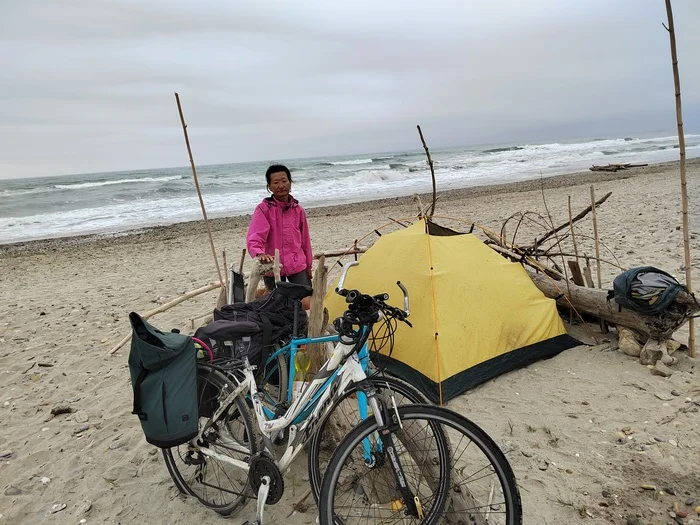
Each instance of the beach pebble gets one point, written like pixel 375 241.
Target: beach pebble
pixel 7 454
pixel 84 507
pixel 670 490
pixel 81 417
pixel 646 486
pixel 673 442
pixel 675 393
pixel 118 444
pixel 45 480
pixel 80 429
pixel 662 370
pixel 689 501
pixel 58 507
pixel 663 397
pixel 627 431
pixel 543 464
pixel 12 491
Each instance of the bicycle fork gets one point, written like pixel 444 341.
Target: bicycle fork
pixel 386 428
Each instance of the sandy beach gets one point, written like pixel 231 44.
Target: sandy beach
pixel 584 431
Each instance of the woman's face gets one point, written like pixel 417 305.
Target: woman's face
pixel 280 185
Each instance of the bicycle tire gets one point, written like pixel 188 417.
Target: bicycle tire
pixel 321 440
pixel 240 429
pixel 275 391
pixel 462 489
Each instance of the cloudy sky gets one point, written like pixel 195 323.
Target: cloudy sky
pixel 87 85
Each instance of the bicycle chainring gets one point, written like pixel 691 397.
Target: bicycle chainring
pixel 263 465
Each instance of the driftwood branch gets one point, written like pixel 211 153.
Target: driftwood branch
pixel 340 253
pixel 566 224
pixel 316 324
pixel 167 306
pixel 595 302
pixel 432 173
pixel 616 167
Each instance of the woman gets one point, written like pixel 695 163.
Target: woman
pixel 279 222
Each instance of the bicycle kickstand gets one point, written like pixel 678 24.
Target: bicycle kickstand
pixel 263 492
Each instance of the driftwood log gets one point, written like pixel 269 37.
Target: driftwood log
pixel 616 167
pixel 594 301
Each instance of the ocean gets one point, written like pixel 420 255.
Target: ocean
pixel 69 205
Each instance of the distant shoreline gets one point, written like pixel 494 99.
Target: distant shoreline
pixel 222 223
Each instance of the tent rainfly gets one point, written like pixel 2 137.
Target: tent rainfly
pixel 475 315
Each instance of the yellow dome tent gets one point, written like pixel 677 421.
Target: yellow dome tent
pixel 475 315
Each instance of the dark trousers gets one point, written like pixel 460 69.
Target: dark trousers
pixel 296 278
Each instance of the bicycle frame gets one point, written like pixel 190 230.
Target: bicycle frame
pixel 292 348
pixel 331 381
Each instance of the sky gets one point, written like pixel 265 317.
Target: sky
pixel 88 86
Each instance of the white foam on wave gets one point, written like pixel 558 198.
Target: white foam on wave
pixel 352 182
pixel 81 185
pixel 352 162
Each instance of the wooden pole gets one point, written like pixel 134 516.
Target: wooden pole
pixel 167 306
pixel 240 266
pixel 603 326
pixel 317 351
pixel 432 174
pixel 571 227
pixel 196 183
pixel 681 147
pixel 595 237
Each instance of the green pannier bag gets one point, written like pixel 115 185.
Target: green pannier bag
pixel 163 367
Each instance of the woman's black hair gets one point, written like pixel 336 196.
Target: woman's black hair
pixel 276 168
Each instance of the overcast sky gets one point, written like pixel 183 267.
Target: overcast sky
pixel 87 85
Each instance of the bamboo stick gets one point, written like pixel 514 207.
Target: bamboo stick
pixel 681 147
pixel 196 183
pixel 167 306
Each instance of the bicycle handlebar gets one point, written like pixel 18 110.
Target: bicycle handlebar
pixel 354 296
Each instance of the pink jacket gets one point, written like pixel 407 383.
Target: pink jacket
pixel 281 225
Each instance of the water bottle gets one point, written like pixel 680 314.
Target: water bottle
pixel 302 362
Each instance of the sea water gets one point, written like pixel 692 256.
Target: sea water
pixel 119 201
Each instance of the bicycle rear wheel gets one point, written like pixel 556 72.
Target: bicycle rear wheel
pixel 344 416
pixel 481 486
pixel 214 482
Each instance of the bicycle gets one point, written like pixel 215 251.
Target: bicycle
pixel 416 463
pixel 229 436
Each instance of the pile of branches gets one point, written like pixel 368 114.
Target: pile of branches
pixel 545 252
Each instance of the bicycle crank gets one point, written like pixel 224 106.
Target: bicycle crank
pixel 261 466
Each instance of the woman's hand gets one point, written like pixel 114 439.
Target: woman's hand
pixel 309 274
pixel 265 258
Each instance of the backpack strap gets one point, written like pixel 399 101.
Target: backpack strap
pixel 137 395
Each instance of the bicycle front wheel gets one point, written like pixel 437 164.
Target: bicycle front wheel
pixel 214 482
pixel 471 471
pixel 344 416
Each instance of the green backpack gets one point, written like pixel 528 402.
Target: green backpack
pixel 163 369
